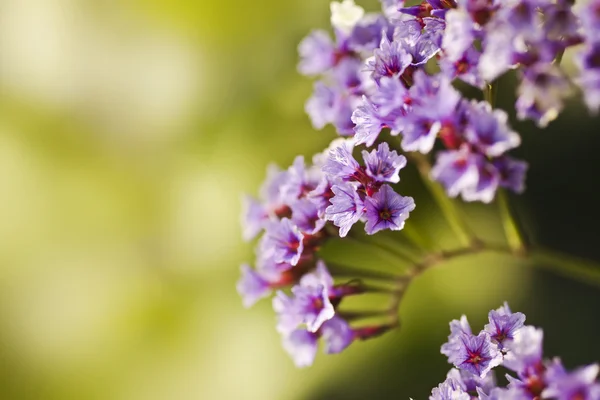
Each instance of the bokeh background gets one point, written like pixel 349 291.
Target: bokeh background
pixel 129 130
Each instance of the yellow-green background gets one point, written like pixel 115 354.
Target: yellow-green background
pixel 129 130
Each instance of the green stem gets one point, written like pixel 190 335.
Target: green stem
pixel 344 270
pixel 579 269
pixel 446 205
pixel 511 229
pixel 397 255
pixel 559 57
pixel 489 93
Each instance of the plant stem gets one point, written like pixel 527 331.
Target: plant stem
pixel 344 270
pixel 489 93
pixel 511 230
pixel 446 205
pixel 388 250
pixel 579 269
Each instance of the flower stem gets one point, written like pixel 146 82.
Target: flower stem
pixel 579 269
pixel 446 205
pixel 511 229
pixel 395 253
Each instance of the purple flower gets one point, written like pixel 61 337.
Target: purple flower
pixel 270 191
pixel 367 122
pixel 305 215
pixel 321 107
pixel 477 354
pixel 386 209
pixel 300 180
pixel 487 183
pixel 579 384
pixel 420 132
pixel 498 52
pixel 391 99
pixel 470 382
pixel 457 329
pixel 346 207
pixel 488 130
pixel 465 68
pixel 525 350
pixel 366 35
pixel 384 165
pixel 252 286
pixel 309 304
pixel 504 324
pixel 590 18
pixel 434 103
pixel 283 241
pixel 390 59
pixel 302 346
pixel 541 93
pixel 340 163
pixel 317 53
pixel 588 62
pixel 450 389
pixel 254 217
pixel 456 170
pixel 337 335
pixel 459 34
pixel 512 173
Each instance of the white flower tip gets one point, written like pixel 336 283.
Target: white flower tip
pixel 345 15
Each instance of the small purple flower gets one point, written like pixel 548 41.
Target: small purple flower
pixel 390 59
pixel 337 335
pixel 541 93
pixel 589 16
pixel 254 217
pixel 470 382
pixel 465 68
pixel 366 35
pixel 283 241
pixel 488 180
pixel 488 130
pixel 588 62
pixel 317 53
pixel 270 190
pixel 455 170
pixel 384 165
pixel 420 132
pixel 525 350
pixel 321 106
pixel 305 215
pixel 302 346
pixel 459 34
pixel 386 209
pixel 498 52
pixel 512 173
pixel 368 123
pixel 346 207
pixel 391 99
pixel 300 180
pixel 309 304
pixel 340 163
pixel 457 329
pixel 580 384
pixel 477 354
pixel 450 389
pixel 252 286
pixel 503 325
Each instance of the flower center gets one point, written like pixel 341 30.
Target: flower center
pixel 385 214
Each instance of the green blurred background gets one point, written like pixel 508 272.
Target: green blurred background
pixel 129 130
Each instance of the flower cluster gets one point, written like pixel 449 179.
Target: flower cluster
pixel 506 341
pixel 297 213
pixel 395 70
